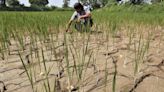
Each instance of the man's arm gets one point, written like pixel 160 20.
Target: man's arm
pixel 88 14
pixel 68 25
pixel 70 21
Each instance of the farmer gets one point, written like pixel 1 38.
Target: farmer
pixel 81 17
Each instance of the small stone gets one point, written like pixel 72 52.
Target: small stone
pixel 41 74
pixel 121 56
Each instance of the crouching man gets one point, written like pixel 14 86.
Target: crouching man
pixel 81 17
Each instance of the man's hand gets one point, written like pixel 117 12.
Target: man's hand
pixel 80 17
pixel 78 20
pixel 67 30
pixel 68 26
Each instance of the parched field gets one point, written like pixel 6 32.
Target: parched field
pixel 123 52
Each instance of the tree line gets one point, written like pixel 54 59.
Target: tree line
pixel 41 4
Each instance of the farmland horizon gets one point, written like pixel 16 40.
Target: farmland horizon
pixel 57 3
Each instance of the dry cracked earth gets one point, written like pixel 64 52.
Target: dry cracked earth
pixel 106 61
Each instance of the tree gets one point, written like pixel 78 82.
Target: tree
pixel 13 3
pixel 66 3
pixel 39 2
pixel 135 1
pixel 105 2
pixel 3 3
pixel 96 3
pixel 83 1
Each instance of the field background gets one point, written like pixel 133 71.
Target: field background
pixel 123 51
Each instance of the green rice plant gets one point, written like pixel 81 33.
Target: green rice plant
pixel 74 61
pixel 137 50
pixel 106 74
pixel 80 62
pixel 131 37
pixel 21 42
pixel 160 41
pixel 140 49
pixel 46 73
pixel 113 31
pixel 146 45
pixel 29 75
pixel 115 74
pixel 67 62
pixel 84 53
pixel 4 42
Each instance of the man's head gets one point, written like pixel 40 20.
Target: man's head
pixel 78 7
